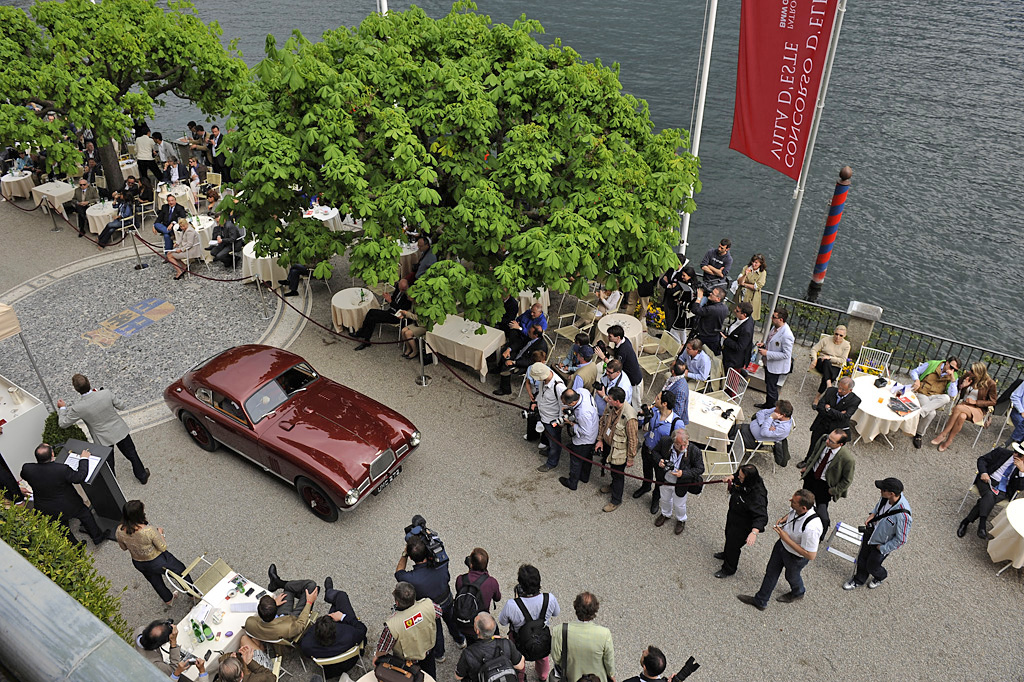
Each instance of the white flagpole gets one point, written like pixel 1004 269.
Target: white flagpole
pixel 684 227
pixel 801 182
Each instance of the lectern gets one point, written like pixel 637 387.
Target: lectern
pixel 102 489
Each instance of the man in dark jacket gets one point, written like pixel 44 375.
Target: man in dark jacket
pixel 747 517
pixel 738 339
pixel 709 314
pixel 335 633
pixel 166 218
pixel 228 238
pixel 396 300
pixel 623 350
pixel 54 493
pixel 1000 477
pixel 835 408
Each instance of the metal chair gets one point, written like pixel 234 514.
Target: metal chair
pixel 813 370
pixel 733 452
pixel 662 359
pixel 871 361
pixel 216 571
pixel 1006 422
pixel 847 533
pixel 986 419
pixel 570 330
pixel 355 652
pixel 734 388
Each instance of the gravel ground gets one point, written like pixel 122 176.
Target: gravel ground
pixel 474 479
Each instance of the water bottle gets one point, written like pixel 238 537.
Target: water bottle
pixel 196 631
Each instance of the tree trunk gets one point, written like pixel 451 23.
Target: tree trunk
pixel 111 167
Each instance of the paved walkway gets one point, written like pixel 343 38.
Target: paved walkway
pixel 941 615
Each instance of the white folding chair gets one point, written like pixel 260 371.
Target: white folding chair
pixel 662 360
pixel 871 361
pixel 734 389
pixel 1006 422
pixel 355 652
pixel 213 574
pixel 715 464
pixel 568 327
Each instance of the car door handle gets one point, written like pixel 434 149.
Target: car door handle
pixel 209 419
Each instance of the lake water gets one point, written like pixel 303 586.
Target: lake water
pixel 924 105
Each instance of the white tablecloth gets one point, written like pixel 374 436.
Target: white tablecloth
pixel 1007 543
pixel 875 418
pixel 55 193
pixel 631 327
pixel 407 261
pixel 328 215
pixel 129 167
pixel 233 622
pixel 457 339
pixel 348 309
pixel 527 299
pixel 99 215
pixel 265 269
pixel 11 186
pixel 706 422
pixel 182 192
pixel 205 231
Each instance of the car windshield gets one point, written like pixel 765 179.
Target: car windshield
pixel 273 393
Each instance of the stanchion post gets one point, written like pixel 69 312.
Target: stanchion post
pixel 52 210
pixel 139 265
pixel 264 313
pixel 423 379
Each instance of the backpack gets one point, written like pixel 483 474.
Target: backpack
pixel 469 601
pixel 533 639
pixel 498 667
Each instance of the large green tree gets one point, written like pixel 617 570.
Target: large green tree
pixel 528 165
pixel 102 66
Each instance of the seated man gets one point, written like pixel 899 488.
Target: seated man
pixel 156 639
pixel 166 218
pixel 229 243
pixel 1000 477
pixel 570 362
pixel 698 363
pixel 85 196
pixel 397 300
pixel 275 617
pixel 935 384
pixel 335 633
pixel 522 324
pixel 131 187
pixel 520 361
pixel 248 663
pixel 125 208
pixel 770 425
pixel 426 256
pixel 175 172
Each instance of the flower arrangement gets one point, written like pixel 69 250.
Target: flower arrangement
pixel 655 317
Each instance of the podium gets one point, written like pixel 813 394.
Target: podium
pixel 102 489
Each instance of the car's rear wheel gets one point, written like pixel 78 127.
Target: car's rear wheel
pixel 316 500
pixel 200 434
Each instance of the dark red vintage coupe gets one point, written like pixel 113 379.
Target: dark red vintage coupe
pixel 335 445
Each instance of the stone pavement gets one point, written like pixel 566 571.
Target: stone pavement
pixel 943 614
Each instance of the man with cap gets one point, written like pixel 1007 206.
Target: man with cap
pixel 548 402
pixel 587 372
pixel 1000 477
pixel 885 530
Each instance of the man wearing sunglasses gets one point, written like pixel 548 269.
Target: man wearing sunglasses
pixel 85 196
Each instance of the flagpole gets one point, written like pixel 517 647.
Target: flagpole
pixel 684 227
pixel 801 182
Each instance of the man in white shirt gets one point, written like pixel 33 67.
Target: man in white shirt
pixel 549 409
pixel 770 425
pixel 144 148
pixel 580 416
pixel 698 363
pixel 799 532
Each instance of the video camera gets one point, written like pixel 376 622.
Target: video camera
pixel 418 528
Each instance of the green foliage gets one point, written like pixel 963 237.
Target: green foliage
pixel 42 541
pixel 103 65
pixel 55 435
pixel 528 166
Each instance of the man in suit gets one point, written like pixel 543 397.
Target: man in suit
pixel 175 172
pixel 396 300
pixel 828 472
pixel 166 218
pixel 738 339
pixel 214 152
pixel 98 409
pixel 275 616
pixel 85 196
pixel 777 356
pixel 835 408
pixel 91 153
pixel 335 633
pixel 54 493
pixel 520 361
pixel 1000 477
pixel 709 314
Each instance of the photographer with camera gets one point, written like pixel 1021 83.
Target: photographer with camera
pixel 199 663
pixel 682 464
pixel 431 581
pixel 580 418
pixel 475 592
pixel 613 377
pixel 885 531
pixel 679 286
pixel 548 402
pixel 747 516
pixel 653 663
pixel 617 431
pixel 154 640
pixel 660 422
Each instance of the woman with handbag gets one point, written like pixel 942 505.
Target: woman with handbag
pixel 977 394
pixel 148 548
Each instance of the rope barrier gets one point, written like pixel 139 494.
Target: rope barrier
pixel 26 210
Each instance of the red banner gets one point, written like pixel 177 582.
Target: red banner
pixel 783 47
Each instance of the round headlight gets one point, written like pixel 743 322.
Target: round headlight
pixel 352 497
pixel 415 439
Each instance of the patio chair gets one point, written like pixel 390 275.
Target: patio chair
pixel 213 574
pixel 733 389
pixel 714 464
pixel 355 652
pixel 660 361
pixel 871 361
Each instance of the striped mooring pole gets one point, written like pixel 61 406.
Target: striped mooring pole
pixel 835 214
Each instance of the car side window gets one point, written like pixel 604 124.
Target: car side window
pixel 230 408
pixel 204 395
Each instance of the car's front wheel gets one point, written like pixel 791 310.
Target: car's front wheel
pixel 200 434
pixel 316 499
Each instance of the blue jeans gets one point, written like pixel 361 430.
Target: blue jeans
pixel 781 558
pixel 1018 426
pixel 168 233
pixel 554 449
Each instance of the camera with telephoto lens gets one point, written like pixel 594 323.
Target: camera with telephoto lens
pixel 418 528
pixel 645 411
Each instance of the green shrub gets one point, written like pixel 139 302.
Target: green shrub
pixel 42 541
pixel 55 435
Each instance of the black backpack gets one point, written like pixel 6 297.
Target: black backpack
pixel 533 639
pixel 469 601
pixel 497 667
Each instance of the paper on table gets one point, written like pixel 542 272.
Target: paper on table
pixel 243 607
pixel 201 611
pixel 73 460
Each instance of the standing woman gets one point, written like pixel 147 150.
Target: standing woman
pixel 147 547
pixel 828 357
pixel 750 282
pixel 977 394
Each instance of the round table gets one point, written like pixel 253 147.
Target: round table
pixel 1007 543
pixel 407 260
pixel 17 186
pixel 328 215
pixel 205 231
pixel 875 418
pixel 129 167
pixel 99 215
pixel 181 192
pixel 631 327
pixel 265 268
pixel 349 307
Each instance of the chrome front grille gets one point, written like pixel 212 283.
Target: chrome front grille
pixel 381 464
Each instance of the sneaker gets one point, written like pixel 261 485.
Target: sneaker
pixel 439 659
pixel 461 645
pixel 872 583
pixel 851 584
pixel 544 468
pixel 542 446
